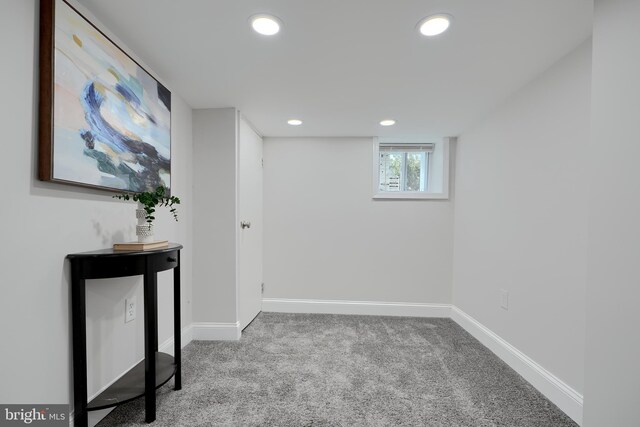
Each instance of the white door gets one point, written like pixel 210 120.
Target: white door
pixel 250 223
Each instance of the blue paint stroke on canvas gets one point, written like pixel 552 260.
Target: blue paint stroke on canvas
pixel 141 153
pixel 112 120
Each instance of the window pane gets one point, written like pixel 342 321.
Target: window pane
pixel 403 170
pixel 390 168
pixel 414 169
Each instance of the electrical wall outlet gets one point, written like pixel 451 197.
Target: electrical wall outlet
pixel 504 299
pixel 262 288
pixel 129 309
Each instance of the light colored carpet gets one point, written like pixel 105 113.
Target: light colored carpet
pixel 334 370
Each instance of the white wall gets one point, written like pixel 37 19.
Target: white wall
pixel 42 222
pixel 215 160
pixel 520 218
pixel 612 389
pixel 326 239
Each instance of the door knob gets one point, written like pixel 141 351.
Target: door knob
pixel 245 224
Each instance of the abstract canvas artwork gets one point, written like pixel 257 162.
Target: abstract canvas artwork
pixel 104 121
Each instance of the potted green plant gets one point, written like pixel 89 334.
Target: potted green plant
pixel 147 203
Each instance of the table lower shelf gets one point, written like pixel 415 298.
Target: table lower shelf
pixel 131 385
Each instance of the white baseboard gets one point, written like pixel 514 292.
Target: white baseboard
pixel 374 308
pixel 553 388
pixel 205 331
pixel 186 336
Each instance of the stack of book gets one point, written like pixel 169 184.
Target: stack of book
pixel 137 246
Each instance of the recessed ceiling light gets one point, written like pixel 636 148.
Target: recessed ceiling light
pixel 388 122
pixel 267 25
pixel 434 24
pixel 294 122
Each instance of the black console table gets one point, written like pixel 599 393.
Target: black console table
pixel 156 368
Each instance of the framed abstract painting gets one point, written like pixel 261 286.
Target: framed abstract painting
pixel 104 121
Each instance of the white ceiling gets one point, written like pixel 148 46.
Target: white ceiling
pixel 343 65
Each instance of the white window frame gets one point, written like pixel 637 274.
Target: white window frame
pixel 411 195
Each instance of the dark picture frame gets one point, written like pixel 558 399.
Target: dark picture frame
pixel 104 120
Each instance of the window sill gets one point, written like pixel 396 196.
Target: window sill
pixel 410 195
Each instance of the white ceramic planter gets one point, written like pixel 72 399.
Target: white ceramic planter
pixel 144 230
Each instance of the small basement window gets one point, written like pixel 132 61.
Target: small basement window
pixel 411 169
